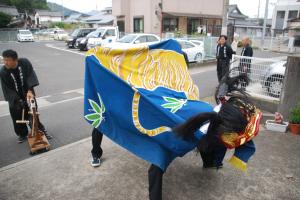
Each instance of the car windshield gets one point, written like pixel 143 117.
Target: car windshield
pixel 93 34
pixel 25 32
pixel 196 43
pixel 127 39
pixel 102 31
pixel 75 32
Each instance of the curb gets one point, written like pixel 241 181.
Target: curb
pixel 43 155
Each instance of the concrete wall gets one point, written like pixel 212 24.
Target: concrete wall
pixel 182 24
pixel 50 19
pixel 284 5
pixel 205 7
pixel 126 10
pixel 121 9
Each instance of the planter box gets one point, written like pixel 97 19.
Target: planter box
pixel 273 126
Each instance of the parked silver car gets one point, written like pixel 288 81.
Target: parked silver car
pixel 273 78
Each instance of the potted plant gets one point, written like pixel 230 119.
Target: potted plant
pixel 295 119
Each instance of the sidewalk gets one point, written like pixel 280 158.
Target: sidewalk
pixel 65 173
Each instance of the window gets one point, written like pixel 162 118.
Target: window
pixel 170 24
pixel 141 39
pixel 280 14
pixel 279 19
pixel 293 14
pixel 151 38
pixel 110 32
pixel 138 25
pixel 186 45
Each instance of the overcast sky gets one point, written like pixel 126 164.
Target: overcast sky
pixel 248 7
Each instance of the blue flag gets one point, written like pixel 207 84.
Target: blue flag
pixel 135 96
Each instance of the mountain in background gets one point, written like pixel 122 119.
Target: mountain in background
pixel 58 8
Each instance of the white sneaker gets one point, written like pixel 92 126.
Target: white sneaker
pixel 95 162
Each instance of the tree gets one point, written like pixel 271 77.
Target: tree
pixel 4 19
pixel 27 5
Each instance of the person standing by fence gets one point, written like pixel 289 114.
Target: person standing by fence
pixel 224 55
pixel 247 51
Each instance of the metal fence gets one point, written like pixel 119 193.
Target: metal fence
pixel 11 35
pixel 266 75
pixel 8 35
pixel 209 42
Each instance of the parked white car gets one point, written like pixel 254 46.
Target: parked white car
pixel 194 49
pixel 136 39
pixel 105 35
pixel 273 78
pixel 25 35
pixel 60 35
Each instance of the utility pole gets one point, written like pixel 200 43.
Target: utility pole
pixel 265 24
pixel 258 9
pixel 225 17
pixel 63 10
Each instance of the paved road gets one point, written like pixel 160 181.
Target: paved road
pixel 61 73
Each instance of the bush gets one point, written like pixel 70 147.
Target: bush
pixel 295 115
pixel 4 20
pixel 61 25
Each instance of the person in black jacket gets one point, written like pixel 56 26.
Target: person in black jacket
pixel 245 64
pixel 224 55
pixel 18 80
pixel 247 51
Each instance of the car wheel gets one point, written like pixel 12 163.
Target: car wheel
pixel 198 57
pixel 274 85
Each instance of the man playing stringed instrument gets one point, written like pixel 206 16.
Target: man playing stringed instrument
pixel 18 80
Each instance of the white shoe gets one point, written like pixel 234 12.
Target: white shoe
pixel 95 162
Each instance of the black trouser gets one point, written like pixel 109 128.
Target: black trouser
pixel 214 157
pixel 155 178
pixel 96 142
pixel 16 114
pixel 222 67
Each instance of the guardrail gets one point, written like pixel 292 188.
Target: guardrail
pixel 266 75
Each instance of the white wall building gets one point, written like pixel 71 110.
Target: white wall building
pixel 46 17
pixel 157 16
pixel 284 10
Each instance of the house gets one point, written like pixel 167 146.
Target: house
pixel 243 25
pixel 76 18
pixel 44 17
pixel 157 16
pixel 102 18
pixel 284 11
pixel 9 10
pixel 293 28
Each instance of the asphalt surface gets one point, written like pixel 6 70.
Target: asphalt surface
pixel 60 96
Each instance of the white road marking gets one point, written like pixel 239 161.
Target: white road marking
pixel 80 91
pixel 66 50
pixel 43 102
pixel 202 70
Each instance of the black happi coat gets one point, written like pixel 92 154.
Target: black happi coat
pixel 245 64
pixel 223 55
pixel 16 82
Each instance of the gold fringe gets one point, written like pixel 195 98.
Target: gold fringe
pixel 237 163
